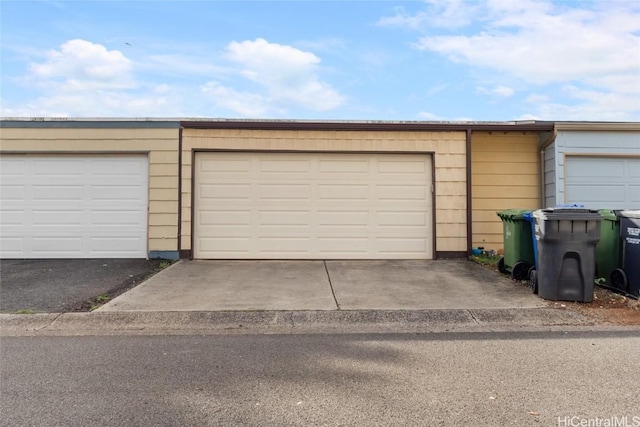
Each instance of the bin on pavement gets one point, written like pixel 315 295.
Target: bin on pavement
pixel 609 248
pixel 518 244
pixel 533 273
pixel 567 240
pixel 627 278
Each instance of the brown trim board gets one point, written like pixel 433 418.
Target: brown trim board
pixel 180 191
pixel 364 125
pixel 469 195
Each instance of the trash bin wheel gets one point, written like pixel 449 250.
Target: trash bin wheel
pixel 501 267
pixel 520 270
pixel 619 279
pixel 533 280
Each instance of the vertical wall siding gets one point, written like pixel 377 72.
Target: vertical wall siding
pixel 504 170
pixel 160 144
pixel 550 175
pixel 449 163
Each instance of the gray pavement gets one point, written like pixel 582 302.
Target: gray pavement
pixel 61 285
pixel 320 285
pixel 460 379
pixel 218 297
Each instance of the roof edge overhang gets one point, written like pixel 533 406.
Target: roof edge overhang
pixel 345 125
pixel 84 123
pixel 598 126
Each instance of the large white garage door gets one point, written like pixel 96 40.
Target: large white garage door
pixel 73 206
pixel 312 206
pixel 603 182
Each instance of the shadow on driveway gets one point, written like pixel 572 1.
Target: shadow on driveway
pixel 59 285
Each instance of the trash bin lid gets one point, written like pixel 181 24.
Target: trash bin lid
pixel 608 214
pixel 630 213
pixel 513 213
pixel 580 214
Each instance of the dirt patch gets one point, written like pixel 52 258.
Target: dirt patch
pixel 607 307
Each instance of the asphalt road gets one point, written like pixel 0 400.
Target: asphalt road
pixel 61 285
pixel 479 379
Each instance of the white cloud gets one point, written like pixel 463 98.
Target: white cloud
pixel 288 75
pixel 439 13
pixel 244 103
pixel 425 115
pixel 81 65
pixel 82 78
pixel 589 45
pixel 586 105
pixel 497 91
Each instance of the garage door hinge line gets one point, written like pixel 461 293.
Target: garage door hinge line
pixel 331 284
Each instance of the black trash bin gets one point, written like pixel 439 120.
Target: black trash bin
pixel 567 240
pixel 627 278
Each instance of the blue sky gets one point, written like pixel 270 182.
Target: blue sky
pixel 430 60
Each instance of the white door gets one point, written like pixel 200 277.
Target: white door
pixel 73 206
pixel 313 206
pixel 603 182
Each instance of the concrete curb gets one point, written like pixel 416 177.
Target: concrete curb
pixel 356 321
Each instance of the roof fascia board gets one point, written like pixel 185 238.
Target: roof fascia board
pixel 88 123
pixel 365 126
pixel 598 126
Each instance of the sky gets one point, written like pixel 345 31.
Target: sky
pixel 434 60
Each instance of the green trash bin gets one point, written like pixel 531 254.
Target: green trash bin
pixel 609 248
pixel 518 244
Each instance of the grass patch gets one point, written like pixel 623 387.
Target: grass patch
pixel 486 260
pixel 99 301
pixel 24 311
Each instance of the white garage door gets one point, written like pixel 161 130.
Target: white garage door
pixel 73 206
pixel 603 182
pixel 313 206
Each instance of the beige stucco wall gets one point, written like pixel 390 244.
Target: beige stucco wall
pixel 161 145
pixel 504 175
pixel 449 161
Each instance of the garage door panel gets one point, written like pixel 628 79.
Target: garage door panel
pixel 221 192
pixel 285 167
pixel 347 246
pixel 12 192
pixel 326 205
pixel 284 192
pixel 338 168
pixel 634 195
pixel 391 246
pixel 603 182
pixel 332 192
pixel 122 218
pixel 74 206
pixel 401 219
pixel 283 218
pixel 343 218
pixel 403 167
pixel 48 218
pixel 402 192
pixel 59 192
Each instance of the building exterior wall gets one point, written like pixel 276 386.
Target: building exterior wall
pixel 449 160
pixel 504 175
pixel 160 144
pixel 600 143
pixel 550 175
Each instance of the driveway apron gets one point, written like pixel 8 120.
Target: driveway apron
pixel 320 285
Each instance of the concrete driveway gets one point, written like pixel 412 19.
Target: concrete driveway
pixel 324 285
